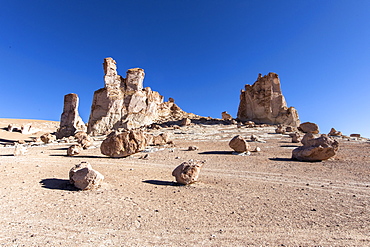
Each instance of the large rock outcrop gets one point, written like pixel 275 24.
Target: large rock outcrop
pixel 124 103
pixel 70 121
pixel 263 102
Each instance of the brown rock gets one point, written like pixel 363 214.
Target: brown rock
pixel 239 144
pixel 70 120
pixel 263 102
pixel 188 172
pixel 158 140
pixel 11 127
pixel 192 148
pixel 280 130
pixel 123 144
pixel 74 150
pixel 226 116
pixel 84 139
pixel 290 129
pixel 334 132
pixel 355 135
pixel 315 149
pixel 83 177
pixel 309 127
pixel 296 137
pixel 48 138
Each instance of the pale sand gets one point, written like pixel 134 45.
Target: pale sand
pixel 264 199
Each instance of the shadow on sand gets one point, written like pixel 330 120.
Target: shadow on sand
pixel 216 152
pixel 57 184
pixel 161 182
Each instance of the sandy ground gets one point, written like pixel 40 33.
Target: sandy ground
pixel 264 199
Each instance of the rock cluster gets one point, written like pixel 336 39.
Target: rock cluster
pixel 84 177
pixel 124 103
pixel 263 102
pixel 334 132
pixel 188 172
pixel 70 120
pixel 315 149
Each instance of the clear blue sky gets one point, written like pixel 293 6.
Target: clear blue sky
pixel 199 52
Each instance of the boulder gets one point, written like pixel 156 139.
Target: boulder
pixel 334 132
pixel 296 137
pixel 309 127
pixel 70 120
pixel 263 102
pixel 315 149
pixel 84 139
pixel 280 130
pixel 290 129
pixel 83 177
pixel 226 116
pixel 11 127
pixel 355 135
pixel 48 138
pixel 239 144
pixel 124 144
pixel 20 150
pixel 74 150
pixel 192 148
pixel 125 103
pixel 188 172
pixel 158 140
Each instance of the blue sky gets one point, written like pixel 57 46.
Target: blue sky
pixel 199 52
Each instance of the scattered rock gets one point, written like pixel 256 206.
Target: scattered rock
pixel 334 132
pixel 226 116
pixel 239 144
pixel 48 138
pixel 123 144
pixel 192 148
pixel 83 177
pixel 263 102
pixel 290 129
pixel 257 149
pixel 20 150
pixel 188 172
pixel 296 137
pixel 74 150
pixel 280 130
pixel 11 127
pixel 158 140
pixel 309 127
pixel 315 149
pixel 70 120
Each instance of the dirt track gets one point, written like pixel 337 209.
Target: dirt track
pixel 262 199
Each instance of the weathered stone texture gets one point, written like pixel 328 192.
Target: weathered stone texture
pixel 263 102
pixel 315 149
pixel 188 172
pixel 83 177
pixel 125 103
pixel 239 144
pixel 70 121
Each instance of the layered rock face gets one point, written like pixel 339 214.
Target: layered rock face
pixel 124 103
pixel 263 102
pixel 70 121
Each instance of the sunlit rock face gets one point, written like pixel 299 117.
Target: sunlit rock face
pixel 70 121
pixel 263 102
pixel 125 103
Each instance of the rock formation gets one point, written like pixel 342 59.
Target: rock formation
pixel 315 149
pixel 334 132
pixel 47 138
pixel 70 120
pixel 309 127
pixel 84 139
pixel 239 144
pixel 296 137
pixel 188 172
pixel 124 103
pixel 263 102
pixel 83 177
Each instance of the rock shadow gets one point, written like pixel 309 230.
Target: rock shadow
pixel 57 184
pixel 161 182
pixel 217 152
pixel 85 156
pixel 290 146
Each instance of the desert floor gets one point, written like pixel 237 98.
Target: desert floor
pixel 264 199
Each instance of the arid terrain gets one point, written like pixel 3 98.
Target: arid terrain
pixel 265 199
